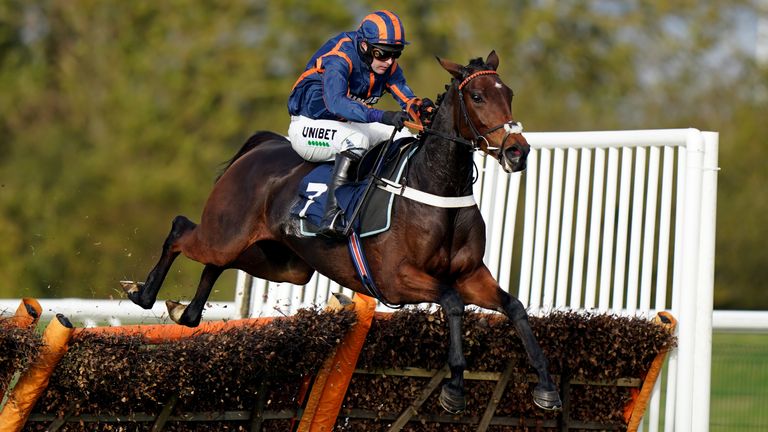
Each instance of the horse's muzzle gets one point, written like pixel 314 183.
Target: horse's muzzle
pixel 514 158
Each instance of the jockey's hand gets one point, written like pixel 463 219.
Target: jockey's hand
pixel 427 104
pixel 426 109
pixel 395 118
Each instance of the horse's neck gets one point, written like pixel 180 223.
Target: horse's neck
pixel 444 167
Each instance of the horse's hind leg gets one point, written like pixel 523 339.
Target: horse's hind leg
pixel 145 294
pixel 452 395
pixel 191 314
pixel 545 394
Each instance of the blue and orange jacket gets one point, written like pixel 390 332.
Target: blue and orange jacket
pixel 338 85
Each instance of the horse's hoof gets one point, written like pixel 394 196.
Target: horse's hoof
pixel 131 287
pixel 452 400
pixel 133 291
pixel 175 310
pixel 547 399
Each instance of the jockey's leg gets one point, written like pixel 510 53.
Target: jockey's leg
pixel 329 140
pixel 319 140
pixel 330 226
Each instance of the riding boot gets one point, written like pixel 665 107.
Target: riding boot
pixel 330 226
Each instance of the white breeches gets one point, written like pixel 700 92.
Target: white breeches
pixel 321 140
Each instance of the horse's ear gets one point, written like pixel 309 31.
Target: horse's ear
pixel 492 60
pixel 455 69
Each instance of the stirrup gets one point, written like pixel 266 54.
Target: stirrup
pixel 331 230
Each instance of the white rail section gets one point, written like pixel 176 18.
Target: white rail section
pixel 612 221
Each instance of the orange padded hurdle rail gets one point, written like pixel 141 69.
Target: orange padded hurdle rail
pixel 35 379
pixel 159 333
pixel 26 316
pixel 332 381
pixel 28 313
pixel 633 414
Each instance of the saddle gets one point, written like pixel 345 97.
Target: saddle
pixel 376 212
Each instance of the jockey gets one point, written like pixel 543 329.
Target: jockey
pixel 332 117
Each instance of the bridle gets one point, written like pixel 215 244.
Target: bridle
pixel 511 127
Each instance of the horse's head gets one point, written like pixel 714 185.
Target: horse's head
pixel 483 114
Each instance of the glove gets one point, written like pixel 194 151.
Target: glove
pixel 427 104
pixel 395 118
pixel 426 109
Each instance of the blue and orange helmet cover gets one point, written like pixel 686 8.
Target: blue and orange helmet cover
pixel 382 28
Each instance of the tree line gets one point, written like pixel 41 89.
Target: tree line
pixel 115 116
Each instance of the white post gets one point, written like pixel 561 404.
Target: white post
pixel 243 292
pixel 553 229
pixel 510 220
pixel 540 239
pixel 579 243
pixel 609 230
pixel 684 400
pixel 703 348
pixel 529 223
pixel 569 199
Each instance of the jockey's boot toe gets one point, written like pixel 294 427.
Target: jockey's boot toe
pixel 331 233
pixel 330 228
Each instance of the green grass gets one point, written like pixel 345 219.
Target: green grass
pixel 739 397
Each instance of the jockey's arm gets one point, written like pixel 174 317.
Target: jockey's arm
pixel 335 89
pixel 397 86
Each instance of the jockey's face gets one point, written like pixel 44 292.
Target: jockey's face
pixel 379 65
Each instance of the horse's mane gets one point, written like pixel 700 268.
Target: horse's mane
pixel 255 139
pixel 476 64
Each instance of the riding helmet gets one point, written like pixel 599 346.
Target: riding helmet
pixel 383 27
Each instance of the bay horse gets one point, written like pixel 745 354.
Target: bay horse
pixel 429 255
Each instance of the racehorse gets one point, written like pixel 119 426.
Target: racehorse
pixel 429 254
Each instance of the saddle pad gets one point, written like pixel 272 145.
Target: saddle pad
pixel 375 215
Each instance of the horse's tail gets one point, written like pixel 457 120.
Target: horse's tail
pixel 255 139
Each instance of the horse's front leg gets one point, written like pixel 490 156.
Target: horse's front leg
pixel 416 286
pixel 191 314
pixel 452 395
pixel 481 289
pixel 545 393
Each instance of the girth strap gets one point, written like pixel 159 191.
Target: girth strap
pixel 424 197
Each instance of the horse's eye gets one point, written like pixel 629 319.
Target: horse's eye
pixel 476 97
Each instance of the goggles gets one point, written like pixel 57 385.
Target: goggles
pixel 384 55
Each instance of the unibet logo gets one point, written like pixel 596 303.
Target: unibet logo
pixel 318 143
